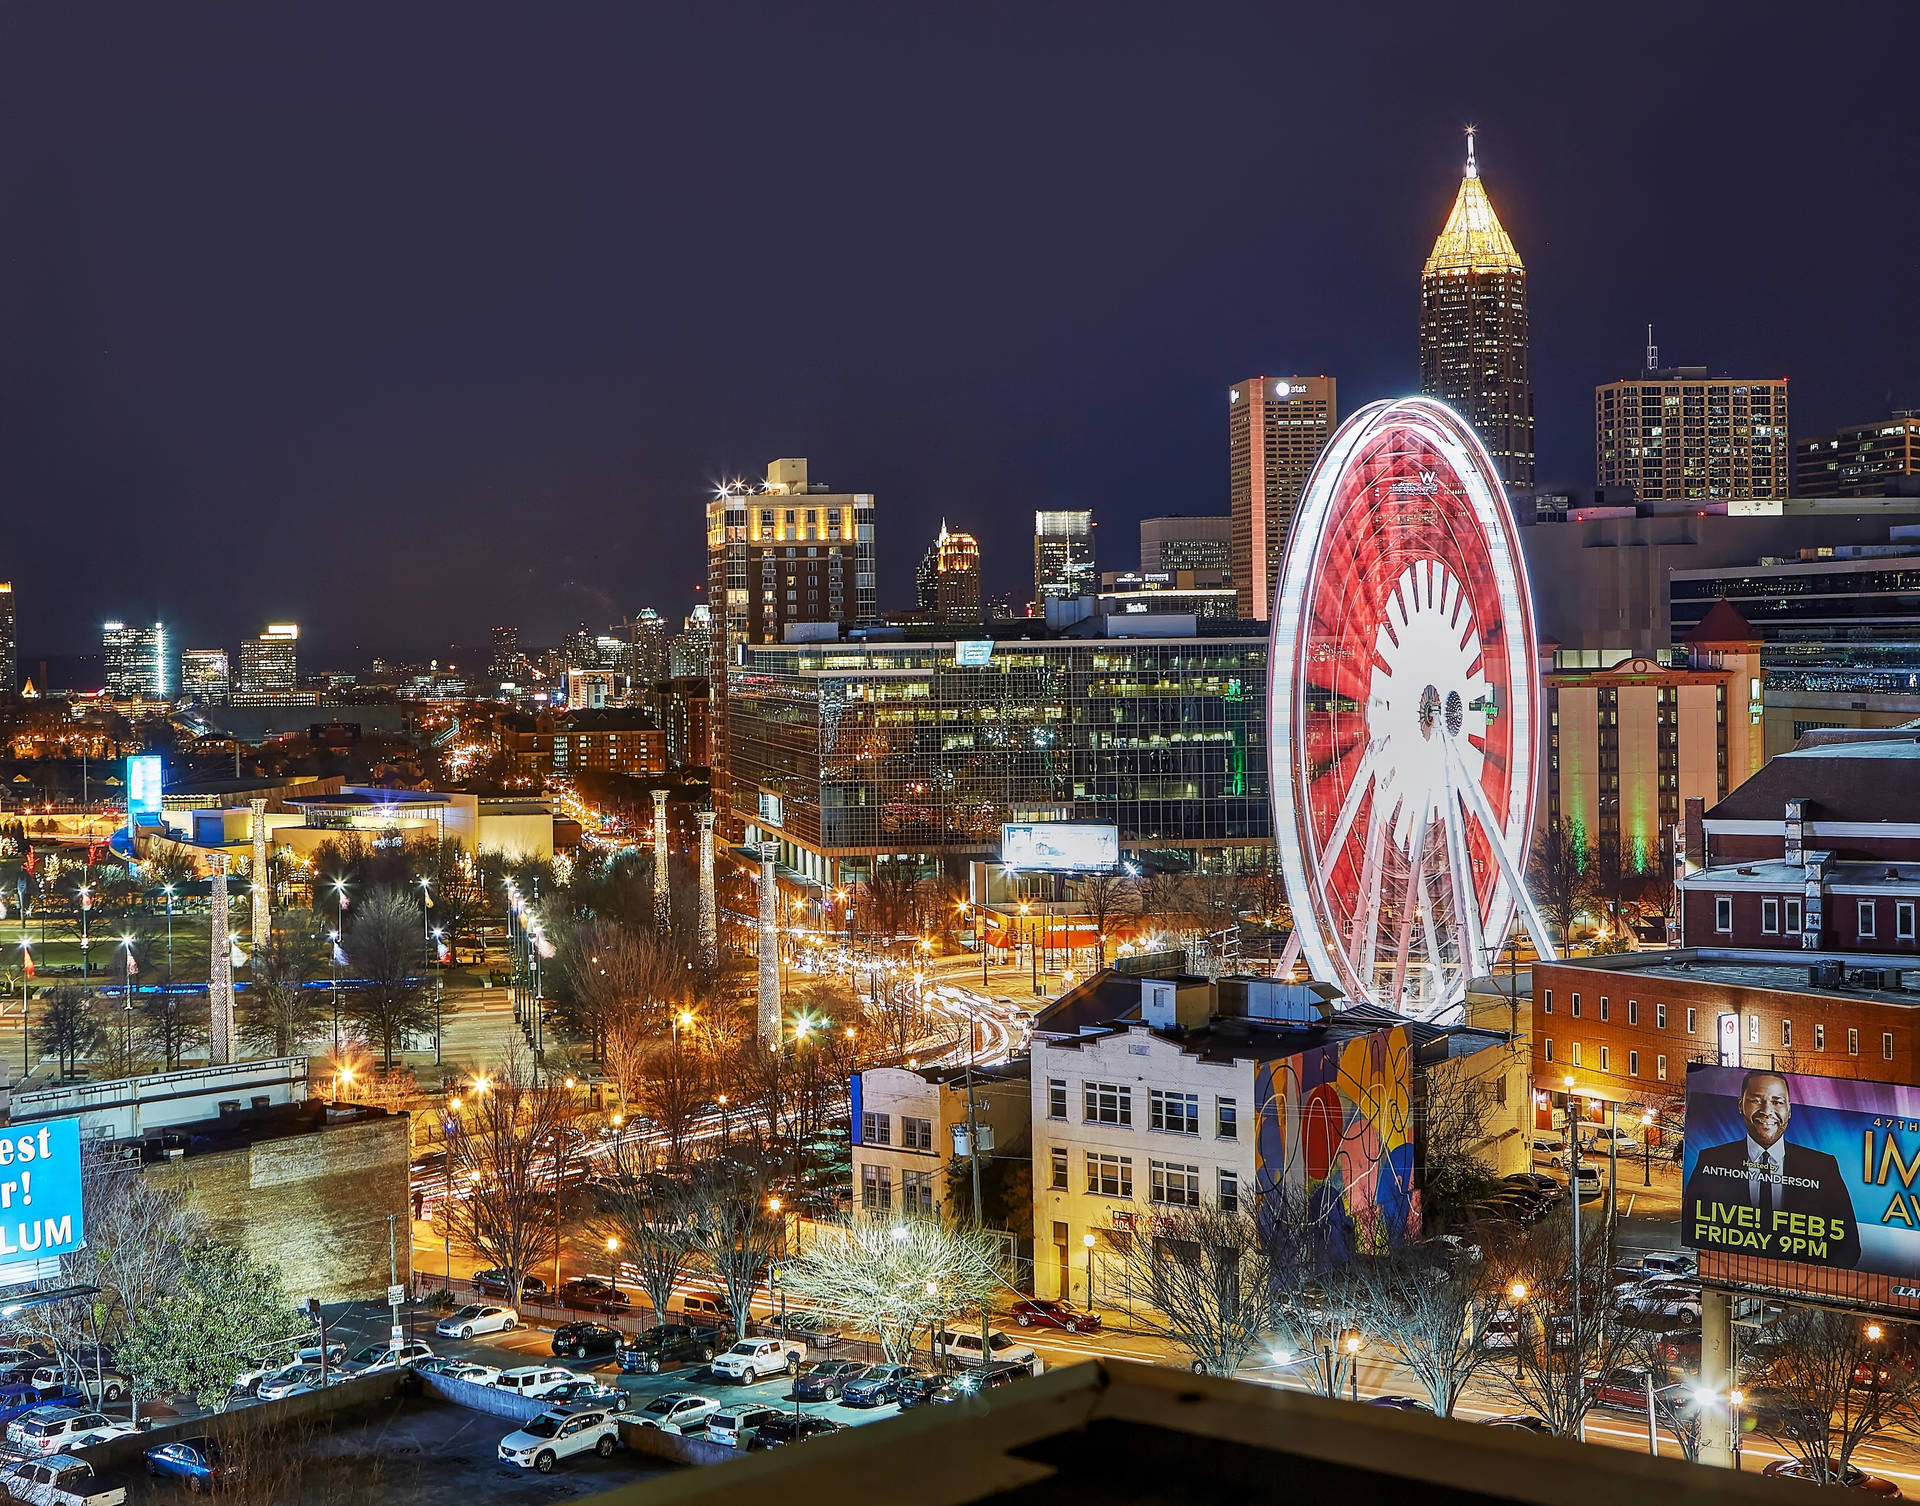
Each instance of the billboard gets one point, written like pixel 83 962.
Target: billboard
pixel 143 789
pixel 1817 1170
pixel 1061 846
pixel 40 1213
pixel 973 653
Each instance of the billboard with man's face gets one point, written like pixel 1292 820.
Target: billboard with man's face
pixel 1819 1170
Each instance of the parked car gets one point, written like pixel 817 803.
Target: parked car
pixel 1401 1403
pixel 310 1355
pixel 589 1393
pixel 291 1380
pixel 990 1377
pixel 1538 1181
pixel 591 1294
pixel 104 1382
pixel 477 1318
pixel 535 1380
pixel 61 1481
pixel 55 1430
pixel 1623 1389
pixel 962 1347
pixel 1608 1140
pixel 778 1432
pixel 466 1370
pixel 668 1344
pixel 1679 1348
pixel 816 1329
pixel 676 1412
pixel 1043 1312
pixel 750 1359
pixel 1671 1263
pixel 735 1426
pixel 1550 1148
pixel 1853 1479
pixel 585 1338
pixel 198 1461
pixel 1521 1422
pixel 555 1435
pixel 923 1388
pixel 494 1283
pixel 824 1379
pixel 387 1357
pixel 1674 1303
pixel 877 1385
pixel 699 1310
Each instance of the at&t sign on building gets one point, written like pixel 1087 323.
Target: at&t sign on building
pixel 1404 711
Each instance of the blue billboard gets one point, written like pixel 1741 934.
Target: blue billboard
pixel 1786 1166
pixel 143 789
pixel 40 1208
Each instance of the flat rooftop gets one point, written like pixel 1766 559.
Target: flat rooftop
pixel 1789 973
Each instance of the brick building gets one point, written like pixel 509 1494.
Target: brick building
pixel 681 709
pixel 613 741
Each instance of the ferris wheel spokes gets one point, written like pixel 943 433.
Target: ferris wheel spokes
pixel 1483 813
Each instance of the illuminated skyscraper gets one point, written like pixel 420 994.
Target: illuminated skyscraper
pixel 1276 429
pixel 504 667
pixel 136 661
pixel 268 664
pixel 1675 434
pixel 1473 328
pixel 1062 556
pixel 9 641
pixel 204 676
pixel 947 583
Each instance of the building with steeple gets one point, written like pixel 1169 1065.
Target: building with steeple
pixel 1473 328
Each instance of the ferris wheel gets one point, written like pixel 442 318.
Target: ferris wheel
pixel 1403 703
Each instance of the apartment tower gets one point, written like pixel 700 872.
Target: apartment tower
pixel 1276 429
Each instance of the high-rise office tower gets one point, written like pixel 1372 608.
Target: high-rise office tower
pixel 947 581
pixel 1181 542
pixel 9 641
pixel 1675 434
pixel 1276 429
pixel 1062 556
pixel 788 551
pixel 1861 460
pixel 503 667
pixel 647 631
pixel 690 656
pixel 204 676
pixel 136 661
pixel 926 591
pixel 1473 328
pixel 268 664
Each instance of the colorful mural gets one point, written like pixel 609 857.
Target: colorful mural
pixel 1334 1126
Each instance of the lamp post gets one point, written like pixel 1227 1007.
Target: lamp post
pixel 86 903
pixel 1353 1346
pixel 126 1001
pixel 1573 1179
pixel 1738 1399
pixel 426 920
pixel 340 894
pixel 1518 1291
pixel 1087 1240
pixel 167 889
pixel 1646 1147
pixel 613 1263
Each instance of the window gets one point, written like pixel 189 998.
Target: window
pixel 876 1186
pixel 1547 1043
pixel 916 1191
pixel 1633 1011
pixel 1660 1014
pixel 1058 1156
pixel 1056 1098
pixel 876 1129
pixel 1886 1045
pixel 1786 1035
pixel 1692 1016
pixel 1903 920
pixel 1753 1030
pixel 1603 1009
pixel 1769 915
pixel 1576 1054
pixel 1723 913
pixel 1170 1182
pixel 1603 1058
pixel 1793 916
pixel 1229 1192
pixel 1109 1176
pixel 1576 1006
pixel 1853 1041
pixel 1173 1113
pixel 1633 1064
pixel 1866 917
pixel 1660 1068
pixel 1227 1118
pixel 1108 1103
pixel 916 1134
pixel 1547 1002
pixel 1819 1037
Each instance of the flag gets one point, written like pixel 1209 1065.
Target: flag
pixel 132 965
pixel 445 955
pixel 427 895
pixel 29 957
pixel 31 863
pixel 339 955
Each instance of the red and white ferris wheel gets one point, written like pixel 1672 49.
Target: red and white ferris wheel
pixel 1404 709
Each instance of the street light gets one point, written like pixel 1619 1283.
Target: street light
pixel 613 1262
pixel 1738 1398
pixel 167 889
pixel 1646 1147
pixel 1088 1241
pixel 1352 1345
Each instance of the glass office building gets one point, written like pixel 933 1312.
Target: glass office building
pixel 848 751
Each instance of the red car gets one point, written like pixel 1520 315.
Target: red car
pixel 1029 1311
pixel 1853 1479
pixel 1623 1388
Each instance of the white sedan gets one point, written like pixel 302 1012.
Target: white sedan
pixel 552 1436
pixel 477 1318
pixel 291 1381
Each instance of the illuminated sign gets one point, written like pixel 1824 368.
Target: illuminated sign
pixel 143 789
pixel 1817 1170
pixel 40 1205
pixel 973 653
pixel 1064 846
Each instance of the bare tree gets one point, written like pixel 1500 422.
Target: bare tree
pixel 69 1025
pixel 893 1278
pixel 279 1012
pixel 1206 1278
pixel 508 1150
pixel 384 949
pixel 673 1088
pixel 169 1023
pixel 1431 1312
pixel 1831 1381
pixel 737 1234
pixel 1451 1114
pixel 1559 875
pixel 651 1216
pixel 1105 897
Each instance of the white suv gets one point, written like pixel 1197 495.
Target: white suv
pixel 552 1436
pixel 54 1430
pixel 965 1348
pixel 535 1380
pixel 750 1359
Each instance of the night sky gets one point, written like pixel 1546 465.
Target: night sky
pixel 401 320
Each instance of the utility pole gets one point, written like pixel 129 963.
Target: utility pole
pixel 1573 1179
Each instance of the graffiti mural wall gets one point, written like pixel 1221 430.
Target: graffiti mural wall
pixel 1334 1127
